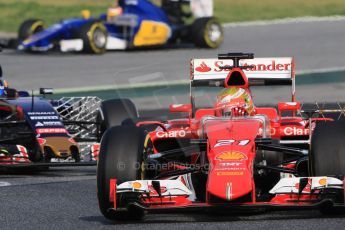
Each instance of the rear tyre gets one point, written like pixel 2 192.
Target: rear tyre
pixel 121 155
pixel 95 36
pixel 207 33
pixel 29 28
pixel 113 112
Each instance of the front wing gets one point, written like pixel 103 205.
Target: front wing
pixel 174 195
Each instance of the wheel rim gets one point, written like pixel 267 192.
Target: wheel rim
pixel 99 38
pixel 214 32
pixel 38 29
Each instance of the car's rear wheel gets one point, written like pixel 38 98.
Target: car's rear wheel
pixel 207 33
pixel 30 27
pixel 113 112
pixel 121 156
pixel 95 37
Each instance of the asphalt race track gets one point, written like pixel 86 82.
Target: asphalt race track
pixel 65 198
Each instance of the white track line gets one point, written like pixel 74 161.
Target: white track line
pixel 121 87
pixel 286 21
pixel 324 70
pixel 170 83
pixel 4 184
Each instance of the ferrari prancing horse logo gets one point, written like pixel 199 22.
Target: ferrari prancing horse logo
pixel 231 156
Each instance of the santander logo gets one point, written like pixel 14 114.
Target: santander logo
pixel 273 66
pixel 203 68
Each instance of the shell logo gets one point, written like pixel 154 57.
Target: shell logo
pixel 231 156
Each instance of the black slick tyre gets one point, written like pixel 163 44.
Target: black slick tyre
pixel 95 36
pixel 29 27
pixel 113 112
pixel 120 158
pixel 207 33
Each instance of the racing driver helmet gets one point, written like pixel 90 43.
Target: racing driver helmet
pixel 3 87
pixel 114 11
pixel 235 101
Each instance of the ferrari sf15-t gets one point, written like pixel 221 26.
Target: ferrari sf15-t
pixel 231 156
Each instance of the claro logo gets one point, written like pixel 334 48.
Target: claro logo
pixel 171 134
pixel 293 131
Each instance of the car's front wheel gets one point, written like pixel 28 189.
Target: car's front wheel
pixel 328 149
pixel 95 37
pixel 120 158
pixel 327 156
pixel 29 28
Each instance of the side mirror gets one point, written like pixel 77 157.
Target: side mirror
pixel 23 94
pixel 288 106
pixel 45 91
pixel 180 108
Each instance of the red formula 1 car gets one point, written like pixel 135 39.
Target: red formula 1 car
pixel 231 156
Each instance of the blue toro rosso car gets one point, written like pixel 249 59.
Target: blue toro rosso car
pixel 36 131
pixel 128 24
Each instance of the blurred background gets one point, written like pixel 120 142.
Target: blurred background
pixel 14 12
pixel 311 31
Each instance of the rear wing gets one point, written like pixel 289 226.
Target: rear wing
pixel 259 71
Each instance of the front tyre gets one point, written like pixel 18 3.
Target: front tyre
pixel 328 156
pixel 328 149
pixel 121 156
pixel 29 28
pixel 207 33
pixel 95 37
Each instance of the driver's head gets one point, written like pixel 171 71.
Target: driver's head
pixel 3 86
pixel 114 11
pixel 235 101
